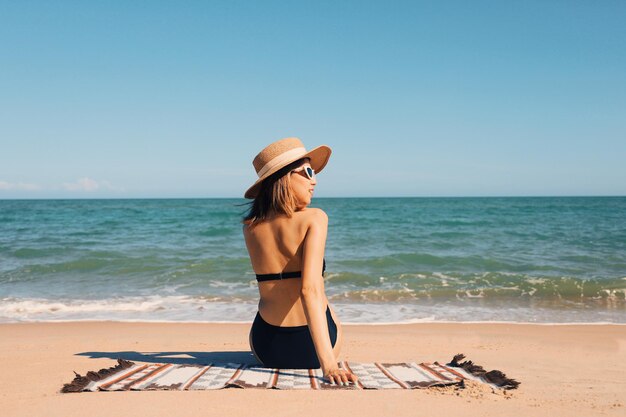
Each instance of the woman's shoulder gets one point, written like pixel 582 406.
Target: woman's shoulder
pixel 313 215
pixel 302 218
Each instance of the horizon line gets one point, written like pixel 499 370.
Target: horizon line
pixel 323 198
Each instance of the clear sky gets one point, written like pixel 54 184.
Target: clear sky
pixel 438 98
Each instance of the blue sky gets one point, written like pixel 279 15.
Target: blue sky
pixel 174 99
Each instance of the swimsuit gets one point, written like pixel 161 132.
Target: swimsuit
pixel 287 347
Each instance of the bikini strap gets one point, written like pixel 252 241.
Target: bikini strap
pixel 280 275
pixel 285 275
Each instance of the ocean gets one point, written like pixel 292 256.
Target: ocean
pixel 389 260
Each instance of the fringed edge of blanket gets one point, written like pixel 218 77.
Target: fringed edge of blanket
pixel 80 382
pixel 495 377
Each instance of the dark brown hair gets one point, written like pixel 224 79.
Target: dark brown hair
pixel 274 197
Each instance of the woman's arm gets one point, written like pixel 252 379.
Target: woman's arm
pixel 314 298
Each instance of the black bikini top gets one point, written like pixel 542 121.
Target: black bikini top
pixel 285 275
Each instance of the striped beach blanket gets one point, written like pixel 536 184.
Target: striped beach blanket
pixel 127 375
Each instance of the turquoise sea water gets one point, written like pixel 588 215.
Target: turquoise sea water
pixel 388 260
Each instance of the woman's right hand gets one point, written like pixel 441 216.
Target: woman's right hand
pixel 340 376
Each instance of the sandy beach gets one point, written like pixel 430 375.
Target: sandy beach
pixel 565 370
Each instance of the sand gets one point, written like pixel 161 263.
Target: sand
pixel 565 370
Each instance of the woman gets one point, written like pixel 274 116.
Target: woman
pixel 295 326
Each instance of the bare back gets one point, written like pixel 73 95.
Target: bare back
pixel 276 245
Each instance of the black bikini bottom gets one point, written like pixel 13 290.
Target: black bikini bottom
pixel 288 347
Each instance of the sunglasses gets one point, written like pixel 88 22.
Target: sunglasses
pixel 306 172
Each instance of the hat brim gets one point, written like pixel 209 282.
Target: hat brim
pixel 319 158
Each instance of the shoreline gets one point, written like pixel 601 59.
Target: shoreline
pixel 249 322
pixel 188 309
pixel 563 369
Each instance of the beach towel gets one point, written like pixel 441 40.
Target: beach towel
pixel 127 375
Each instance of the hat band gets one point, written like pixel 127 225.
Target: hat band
pixel 291 154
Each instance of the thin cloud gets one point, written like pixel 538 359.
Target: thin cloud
pixel 20 186
pixel 86 184
pixel 82 184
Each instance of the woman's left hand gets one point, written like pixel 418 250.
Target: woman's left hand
pixel 341 377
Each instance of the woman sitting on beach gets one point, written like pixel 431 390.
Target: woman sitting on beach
pixel 295 328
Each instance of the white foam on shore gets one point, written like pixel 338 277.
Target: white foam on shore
pixel 187 309
pixel 409 322
pixel 601 323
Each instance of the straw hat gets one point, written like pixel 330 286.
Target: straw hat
pixel 280 154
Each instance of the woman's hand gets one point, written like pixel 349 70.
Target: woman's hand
pixel 340 376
